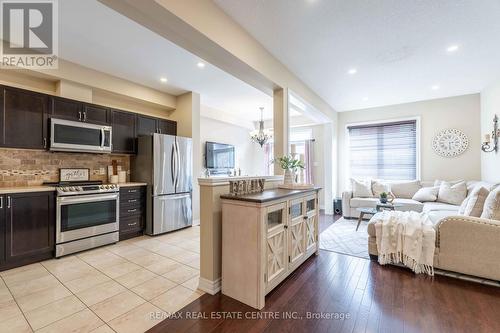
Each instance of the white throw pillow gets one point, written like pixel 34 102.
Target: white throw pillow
pixel 405 190
pixel 463 206
pixel 438 182
pixel 426 194
pixel 492 206
pixel 361 188
pixel 379 187
pixel 475 202
pixel 452 194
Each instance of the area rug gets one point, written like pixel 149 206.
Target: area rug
pixel 342 237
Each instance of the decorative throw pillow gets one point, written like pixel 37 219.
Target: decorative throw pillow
pixel 406 190
pixel 438 182
pixel 452 194
pixel 475 202
pixel 463 206
pixel 379 187
pixel 361 188
pixel 426 194
pixel 492 206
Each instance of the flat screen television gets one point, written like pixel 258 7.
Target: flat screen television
pixel 219 156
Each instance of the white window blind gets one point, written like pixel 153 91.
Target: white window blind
pixel 384 151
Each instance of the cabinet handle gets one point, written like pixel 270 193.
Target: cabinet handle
pixel 1 202
pixel 80 115
pixel 44 142
pixel 131 224
pixel 132 200
pixel 132 210
pixel 8 201
pixel 285 226
pixel 132 191
pixel 84 115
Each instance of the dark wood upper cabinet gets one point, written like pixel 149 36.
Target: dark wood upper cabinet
pixel 24 119
pixel 67 109
pixel 29 227
pixel 123 124
pixel 145 125
pixel 96 114
pixel 166 126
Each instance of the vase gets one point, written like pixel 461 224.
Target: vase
pixel 383 200
pixel 288 177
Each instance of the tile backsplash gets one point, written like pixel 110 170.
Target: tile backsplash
pixel 21 167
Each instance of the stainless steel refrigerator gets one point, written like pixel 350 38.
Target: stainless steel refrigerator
pixel 165 163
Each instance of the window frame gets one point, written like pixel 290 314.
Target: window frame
pixel 347 141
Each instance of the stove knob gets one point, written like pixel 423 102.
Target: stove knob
pixel 71 188
pixel 79 188
pixel 101 187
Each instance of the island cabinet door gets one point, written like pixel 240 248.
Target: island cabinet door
pixel 276 245
pixel 311 223
pixel 296 233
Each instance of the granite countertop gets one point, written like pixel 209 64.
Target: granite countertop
pixel 44 188
pixel 268 195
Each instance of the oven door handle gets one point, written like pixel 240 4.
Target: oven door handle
pixel 86 198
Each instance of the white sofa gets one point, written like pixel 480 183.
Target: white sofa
pixel 464 244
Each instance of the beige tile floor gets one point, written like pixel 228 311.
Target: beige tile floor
pixel 117 288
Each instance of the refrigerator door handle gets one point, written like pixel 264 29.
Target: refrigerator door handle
pixel 178 160
pixel 172 164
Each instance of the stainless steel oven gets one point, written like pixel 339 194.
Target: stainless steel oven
pixel 67 135
pixel 86 217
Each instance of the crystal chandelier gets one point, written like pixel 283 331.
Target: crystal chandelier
pixel 261 136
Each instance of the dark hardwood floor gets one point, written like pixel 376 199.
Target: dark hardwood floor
pixel 372 298
pixel 326 220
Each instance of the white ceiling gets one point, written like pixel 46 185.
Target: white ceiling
pixel 398 47
pixel 95 36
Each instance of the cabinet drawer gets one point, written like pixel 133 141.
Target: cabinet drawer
pixel 130 223
pixel 131 211
pixel 131 201
pixel 132 192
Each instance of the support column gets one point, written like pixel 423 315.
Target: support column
pixel 280 125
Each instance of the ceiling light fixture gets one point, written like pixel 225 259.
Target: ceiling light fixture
pixel 163 79
pixel 435 87
pixel 352 71
pixel 261 136
pixel 452 48
pixel 201 64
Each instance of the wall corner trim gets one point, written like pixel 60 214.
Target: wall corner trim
pixel 209 286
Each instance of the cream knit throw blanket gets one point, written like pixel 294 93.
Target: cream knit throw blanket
pixel 405 238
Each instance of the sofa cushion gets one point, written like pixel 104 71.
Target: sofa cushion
pixel 438 182
pixel 364 202
pixel 405 190
pixel 379 186
pixel 452 194
pixel 426 194
pixel 436 206
pixel 475 202
pixel 492 206
pixel 438 215
pixel 361 188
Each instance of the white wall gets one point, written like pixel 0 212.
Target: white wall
pixel 249 155
pixel 490 105
pixel 461 112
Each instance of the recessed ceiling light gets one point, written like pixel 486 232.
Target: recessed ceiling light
pixel 435 87
pixel 352 71
pixel 163 79
pixel 452 48
pixel 201 64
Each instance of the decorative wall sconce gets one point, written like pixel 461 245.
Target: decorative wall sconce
pixel 491 140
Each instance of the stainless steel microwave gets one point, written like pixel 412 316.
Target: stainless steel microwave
pixel 67 135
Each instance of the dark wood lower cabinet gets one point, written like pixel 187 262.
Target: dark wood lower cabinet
pixel 29 228
pixel 132 211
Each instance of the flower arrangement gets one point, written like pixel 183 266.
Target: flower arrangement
pixel 290 164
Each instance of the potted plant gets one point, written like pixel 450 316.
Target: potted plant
pixel 383 197
pixel 290 165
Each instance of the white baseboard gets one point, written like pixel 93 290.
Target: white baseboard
pixel 209 286
pixel 196 222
